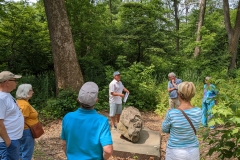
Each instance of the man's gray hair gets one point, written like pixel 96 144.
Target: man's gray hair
pixel 23 90
pixel 171 74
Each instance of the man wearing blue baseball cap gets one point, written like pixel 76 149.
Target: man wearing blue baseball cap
pixel 115 98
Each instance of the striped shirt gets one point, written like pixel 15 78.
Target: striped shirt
pixel 181 132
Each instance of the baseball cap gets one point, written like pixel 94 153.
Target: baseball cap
pixel 6 75
pixel 88 93
pixel 116 73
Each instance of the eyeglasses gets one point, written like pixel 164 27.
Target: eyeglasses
pixel 13 80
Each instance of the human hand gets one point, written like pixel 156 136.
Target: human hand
pixel 8 142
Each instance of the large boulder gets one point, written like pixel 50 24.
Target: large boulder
pixel 130 124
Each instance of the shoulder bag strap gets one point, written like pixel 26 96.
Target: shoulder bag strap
pixel 188 120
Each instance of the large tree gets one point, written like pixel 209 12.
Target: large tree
pixel 67 69
pixel 232 32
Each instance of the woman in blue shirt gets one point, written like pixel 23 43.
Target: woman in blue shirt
pixel 208 101
pixel 183 143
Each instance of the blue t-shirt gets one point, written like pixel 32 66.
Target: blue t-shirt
pixel 173 94
pixel 181 133
pixel 86 133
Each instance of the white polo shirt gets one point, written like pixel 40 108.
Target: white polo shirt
pixel 116 87
pixel 12 116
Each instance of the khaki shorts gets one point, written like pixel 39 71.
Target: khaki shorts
pixel 115 109
pixel 174 102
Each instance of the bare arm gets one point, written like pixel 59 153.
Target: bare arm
pixel 125 90
pixel 117 94
pixel 107 151
pixel 64 146
pixel 3 133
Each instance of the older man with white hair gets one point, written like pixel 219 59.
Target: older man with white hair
pixel 172 89
pixel 11 118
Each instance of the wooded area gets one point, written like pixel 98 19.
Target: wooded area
pixel 58 45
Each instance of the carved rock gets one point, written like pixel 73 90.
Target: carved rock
pixel 130 124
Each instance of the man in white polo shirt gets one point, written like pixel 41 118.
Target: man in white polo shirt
pixel 11 118
pixel 115 99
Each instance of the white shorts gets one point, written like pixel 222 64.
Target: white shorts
pixel 191 153
pixel 115 109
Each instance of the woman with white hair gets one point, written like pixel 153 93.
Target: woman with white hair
pixel 182 124
pixel 208 101
pixel 23 94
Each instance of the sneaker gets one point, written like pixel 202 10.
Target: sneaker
pixel 212 127
pixel 115 126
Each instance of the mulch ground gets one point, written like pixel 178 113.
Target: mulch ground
pixel 48 147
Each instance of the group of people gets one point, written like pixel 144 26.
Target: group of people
pixel 183 119
pixel 16 118
pixel 87 134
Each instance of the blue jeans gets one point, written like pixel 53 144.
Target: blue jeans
pixel 26 145
pixel 11 152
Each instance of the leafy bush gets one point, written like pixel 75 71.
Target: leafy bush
pixel 138 79
pixel 227 114
pixel 65 102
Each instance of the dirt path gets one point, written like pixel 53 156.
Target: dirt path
pixel 48 147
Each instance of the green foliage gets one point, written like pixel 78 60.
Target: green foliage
pixel 162 99
pixel 140 25
pixel 24 43
pixel 65 102
pixel 142 86
pixel 213 54
pixel 227 114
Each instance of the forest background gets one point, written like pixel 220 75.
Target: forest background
pixel 144 40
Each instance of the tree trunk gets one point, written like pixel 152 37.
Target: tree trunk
pixel 233 33
pixel 202 9
pixel 175 3
pixel 67 69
